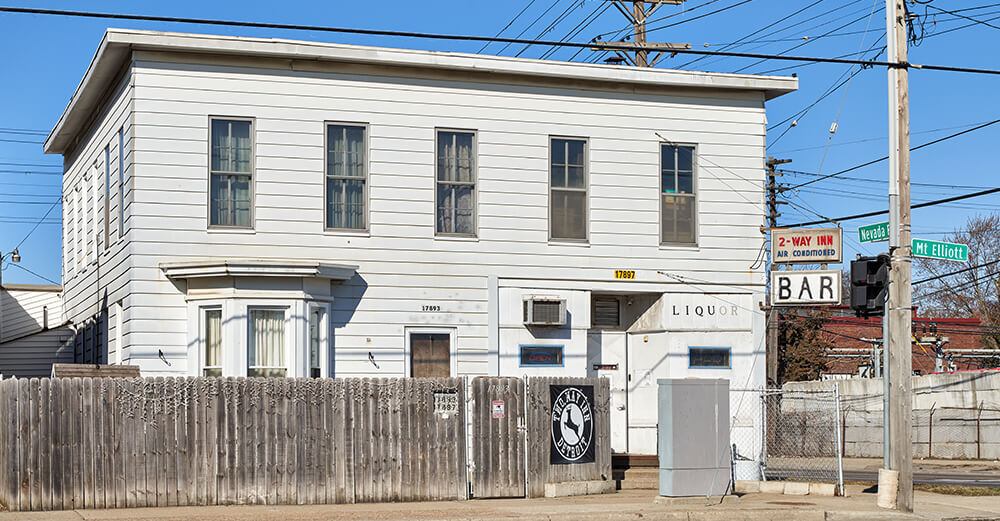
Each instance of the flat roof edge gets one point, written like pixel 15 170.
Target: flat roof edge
pixel 117 44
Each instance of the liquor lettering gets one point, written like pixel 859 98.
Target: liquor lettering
pixel 703 311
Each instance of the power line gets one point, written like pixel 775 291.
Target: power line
pixel 32 230
pixel 943 275
pixel 883 158
pixel 953 13
pixel 884 181
pixel 459 37
pixel 43 277
pixel 485 45
pixel 882 212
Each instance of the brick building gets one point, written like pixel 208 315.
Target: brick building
pixel 852 357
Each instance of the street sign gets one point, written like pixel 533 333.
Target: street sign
pixel 792 288
pixel 807 246
pixel 874 232
pixel 940 250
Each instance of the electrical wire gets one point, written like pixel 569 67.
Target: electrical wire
pixel 485 45
pixel 43 277
pixel 882 212
pixel 461 37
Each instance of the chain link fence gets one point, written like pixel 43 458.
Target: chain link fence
pixel 797 436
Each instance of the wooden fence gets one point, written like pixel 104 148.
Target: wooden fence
pixel 71 443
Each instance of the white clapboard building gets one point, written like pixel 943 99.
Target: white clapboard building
pixel 267 207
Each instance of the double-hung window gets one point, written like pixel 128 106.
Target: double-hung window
pixel 231 176
pixel 456 183
pixel 346 177
pixel 678 204
pixel 212 355
pixel 568 186
pixel 266 346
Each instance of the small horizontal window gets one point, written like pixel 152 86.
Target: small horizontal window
pixel 709 357
pixel 532 355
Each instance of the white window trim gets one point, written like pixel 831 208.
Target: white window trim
pixel 586 190
pixel 475 183
pixel 121 183
pixel 202 341
pixel 693 195
pixel 452 344
pixel 367 178
pixel 326 369
pixel 252 174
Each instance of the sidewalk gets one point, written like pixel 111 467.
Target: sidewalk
pixel 924 465
pixel 624 505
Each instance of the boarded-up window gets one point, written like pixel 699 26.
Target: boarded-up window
pixel 568 181
pixel 606 312
pixel 430 355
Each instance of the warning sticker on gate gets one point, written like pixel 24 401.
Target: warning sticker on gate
pixel 498 408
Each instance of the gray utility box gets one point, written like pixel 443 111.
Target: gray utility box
pixel 693 437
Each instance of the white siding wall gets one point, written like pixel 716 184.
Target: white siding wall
pixel 402 265
pixel 95 270
pixel 24 312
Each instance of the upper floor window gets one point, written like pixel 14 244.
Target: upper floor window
pixel 231 175
pixel 107 196
pixel 456 183
pixel 346 177
pixel 678 205
pixel 568 185
pixel 121 182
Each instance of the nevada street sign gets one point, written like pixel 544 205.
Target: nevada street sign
pixel 874 232
pixel 806 246
pixel 789 288
pixel 940 250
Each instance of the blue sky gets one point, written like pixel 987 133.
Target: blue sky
pixel 44 58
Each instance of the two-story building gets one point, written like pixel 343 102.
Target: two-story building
pixel 267 207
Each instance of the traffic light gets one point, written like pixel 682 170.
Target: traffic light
pixel 869 285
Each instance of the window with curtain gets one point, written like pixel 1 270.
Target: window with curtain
pixel 231 174
pixel 266 355
pixel 568 198
pixel 456 183
pixel 678 201
pixel 315 341
pixel 346 177
pixel 212 364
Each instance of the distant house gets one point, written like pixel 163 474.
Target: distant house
pixel 33 331
pixel 266 207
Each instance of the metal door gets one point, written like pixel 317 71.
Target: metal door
pixel 606 358
pixel 497 437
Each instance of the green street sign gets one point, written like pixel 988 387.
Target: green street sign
pixel 874 232
pixel 940 250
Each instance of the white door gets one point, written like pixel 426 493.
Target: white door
pixel 606 358
pixel 647 361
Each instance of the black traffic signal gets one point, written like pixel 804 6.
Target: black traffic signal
pixel 869 285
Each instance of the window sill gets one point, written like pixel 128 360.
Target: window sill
pixel 683 247
pixel 459 238
pixel 561 242
pixel 346 233
pixel 243 231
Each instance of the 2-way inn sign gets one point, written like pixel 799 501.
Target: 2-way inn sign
pixel 807 246
pixel 805 287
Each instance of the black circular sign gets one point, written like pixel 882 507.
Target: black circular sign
pixel 572 426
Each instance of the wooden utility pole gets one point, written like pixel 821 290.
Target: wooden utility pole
pixel 899 317
pixel 771 350
pixel 638 16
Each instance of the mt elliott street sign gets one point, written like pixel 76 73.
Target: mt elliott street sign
pixel 940 250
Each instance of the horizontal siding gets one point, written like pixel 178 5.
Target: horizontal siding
pixel 32 356
pixel 402 265
pixel 24 312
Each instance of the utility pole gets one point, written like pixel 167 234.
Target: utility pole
pixel 771 351
pixel 638 16
pixel 899 315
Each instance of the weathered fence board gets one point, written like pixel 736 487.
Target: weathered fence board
pixel 118 442
pixel 539 412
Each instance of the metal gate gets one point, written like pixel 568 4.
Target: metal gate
pixel 497 437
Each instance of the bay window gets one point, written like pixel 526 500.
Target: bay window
pixel 266 343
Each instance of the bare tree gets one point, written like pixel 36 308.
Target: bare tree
pixel 974 293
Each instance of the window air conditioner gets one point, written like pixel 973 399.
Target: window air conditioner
pixel 544 311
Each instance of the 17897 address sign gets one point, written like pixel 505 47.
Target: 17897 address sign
pixel 572 424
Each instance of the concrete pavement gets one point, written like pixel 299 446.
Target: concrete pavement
pixel 621 506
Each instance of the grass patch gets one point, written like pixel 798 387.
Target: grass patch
pixel 957 490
